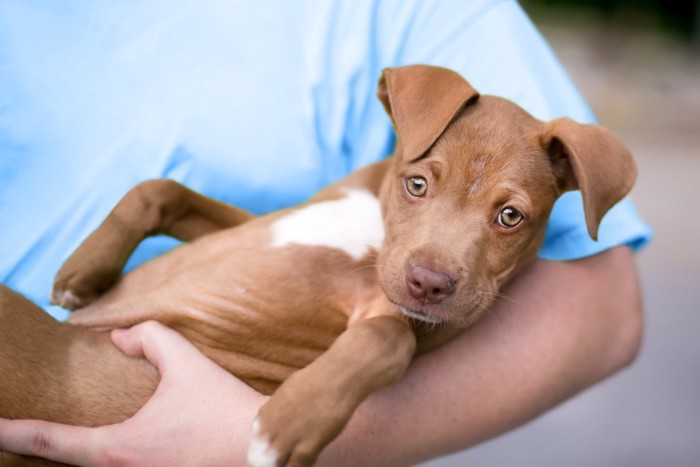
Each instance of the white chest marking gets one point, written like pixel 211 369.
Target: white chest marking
pixel 352 224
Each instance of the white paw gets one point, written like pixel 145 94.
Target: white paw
pixel 65 299
pixel 260 453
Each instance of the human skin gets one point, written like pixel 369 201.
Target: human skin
pixel 559 328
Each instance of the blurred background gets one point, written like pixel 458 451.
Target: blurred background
pixel 638 65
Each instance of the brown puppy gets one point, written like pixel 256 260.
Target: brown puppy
pixel 326 302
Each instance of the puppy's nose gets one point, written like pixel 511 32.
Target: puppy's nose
pixel 429 285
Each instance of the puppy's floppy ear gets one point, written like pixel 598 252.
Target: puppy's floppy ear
pixel 591 159
pixel 422 100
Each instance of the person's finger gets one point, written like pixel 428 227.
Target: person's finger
pixel 159 344
pixel 61 443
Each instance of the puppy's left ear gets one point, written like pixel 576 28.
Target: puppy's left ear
pixel 591 159
pixel 422 100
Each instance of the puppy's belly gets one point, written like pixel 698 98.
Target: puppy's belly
pixel 261 345
pixel 246 308
pixel 258 344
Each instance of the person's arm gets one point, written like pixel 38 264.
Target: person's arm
pixel 561 328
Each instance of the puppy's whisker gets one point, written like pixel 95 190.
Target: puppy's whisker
pixel 505 297
pixel 360 268
pixel 488 310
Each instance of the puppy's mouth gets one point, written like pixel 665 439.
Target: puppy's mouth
pixel 421 315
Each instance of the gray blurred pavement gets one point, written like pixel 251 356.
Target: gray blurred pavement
pixel 646 88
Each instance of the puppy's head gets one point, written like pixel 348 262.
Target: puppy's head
pixel 473 182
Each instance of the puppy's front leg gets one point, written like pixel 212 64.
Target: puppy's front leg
pixel 152 207
pixel 312 406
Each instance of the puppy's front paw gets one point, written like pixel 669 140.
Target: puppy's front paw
pixel 293 427
pixel 279 446
pixel 260 453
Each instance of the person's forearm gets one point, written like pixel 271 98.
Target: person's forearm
pixel 561 328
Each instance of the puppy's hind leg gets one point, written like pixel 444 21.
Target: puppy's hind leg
pixel 153 207
pixel 57 372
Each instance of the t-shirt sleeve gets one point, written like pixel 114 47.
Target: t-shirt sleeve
pixel 494 45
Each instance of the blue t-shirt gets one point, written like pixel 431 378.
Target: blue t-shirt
pixel 258 104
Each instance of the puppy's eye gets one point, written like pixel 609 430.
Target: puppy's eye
pixel 509 217
pixel 417 186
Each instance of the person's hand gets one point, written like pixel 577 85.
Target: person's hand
pixel 199 415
